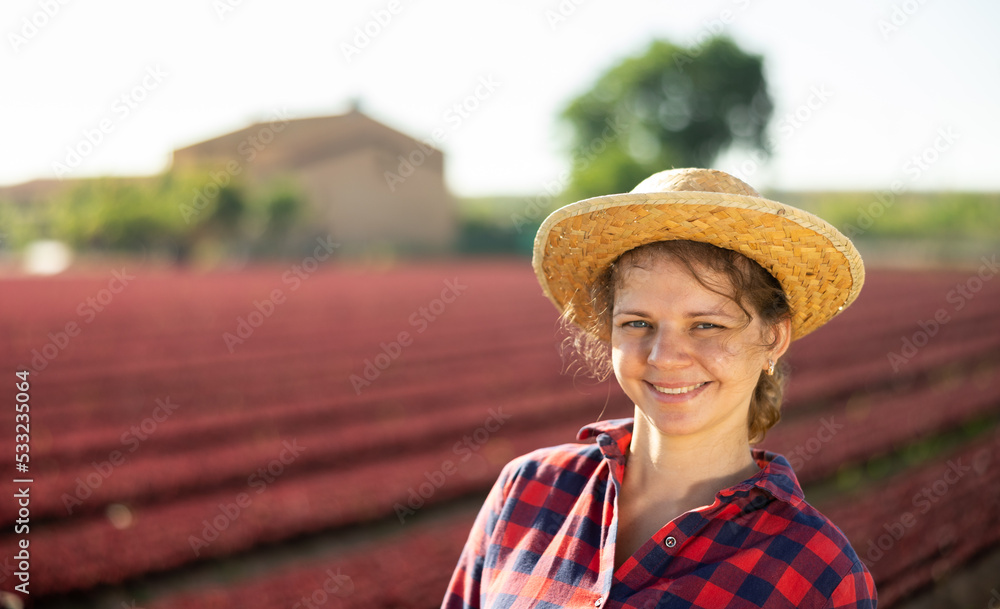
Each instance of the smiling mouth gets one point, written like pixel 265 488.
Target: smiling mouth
pixel 678 390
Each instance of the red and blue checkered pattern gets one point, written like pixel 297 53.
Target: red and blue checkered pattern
pixel 545 538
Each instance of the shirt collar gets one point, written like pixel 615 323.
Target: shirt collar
pixel 613 436
pixel 776 476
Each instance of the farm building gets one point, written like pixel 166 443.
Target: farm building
pixel 369 184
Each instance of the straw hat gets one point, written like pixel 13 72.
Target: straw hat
pixel 818 267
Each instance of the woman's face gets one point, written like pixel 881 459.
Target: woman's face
pixel 681 353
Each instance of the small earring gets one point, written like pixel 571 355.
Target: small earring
pixel 770 367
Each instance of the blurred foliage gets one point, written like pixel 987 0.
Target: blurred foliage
pixel 669 107
pixel 936 215
pixel 501 224
pixel 179 214
pixel 480 236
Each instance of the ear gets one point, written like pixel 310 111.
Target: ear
pixel 782 331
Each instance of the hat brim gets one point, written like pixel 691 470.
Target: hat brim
pixel 819 268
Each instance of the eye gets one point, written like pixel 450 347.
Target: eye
pixel 636 323
pixel 706 325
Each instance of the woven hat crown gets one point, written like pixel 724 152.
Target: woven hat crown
pixel 695 180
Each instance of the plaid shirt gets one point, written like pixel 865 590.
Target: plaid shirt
pixel 546 538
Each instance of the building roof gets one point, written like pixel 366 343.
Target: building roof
pixel 284 144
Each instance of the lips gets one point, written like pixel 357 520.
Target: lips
pixel 678 390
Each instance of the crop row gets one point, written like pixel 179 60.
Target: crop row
pixel 159 477
pixel 915 528
pixel 133 541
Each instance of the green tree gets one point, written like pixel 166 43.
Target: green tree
pixel 277 218
pixel 184 214
pixel 669 107
pixel 109 214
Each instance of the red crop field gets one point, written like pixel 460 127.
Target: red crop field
pixel 232 439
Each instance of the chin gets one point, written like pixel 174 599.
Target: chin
pixel 673 423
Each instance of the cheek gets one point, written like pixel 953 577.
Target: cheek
pixel 619 358
pixel 625 354
pixel 616 364
pixel 733 358
pixel 716 349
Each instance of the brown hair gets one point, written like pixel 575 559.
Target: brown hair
pixel 754 290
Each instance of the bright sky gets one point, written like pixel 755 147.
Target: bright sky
pixel 874 82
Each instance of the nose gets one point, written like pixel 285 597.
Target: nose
pixel 669 349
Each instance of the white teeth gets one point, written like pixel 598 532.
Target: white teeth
pixel 677 390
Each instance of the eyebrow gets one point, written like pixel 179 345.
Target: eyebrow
pixel 711 313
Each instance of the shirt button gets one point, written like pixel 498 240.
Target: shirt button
pixel 599 602
pixel 670 542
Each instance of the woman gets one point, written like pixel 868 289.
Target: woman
pixel 696 286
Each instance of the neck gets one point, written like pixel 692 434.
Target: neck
pixel 686 470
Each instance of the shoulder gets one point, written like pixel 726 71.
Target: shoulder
pixel 805 540
pixel 797 519
pixel 819 534
pixel 566 468
pixel 555 460
pixel 818 550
